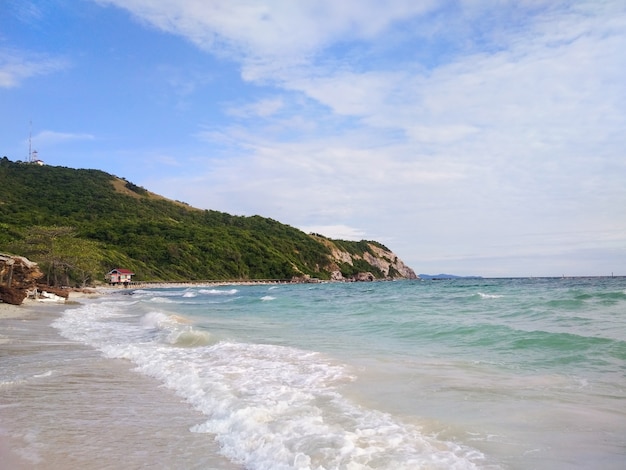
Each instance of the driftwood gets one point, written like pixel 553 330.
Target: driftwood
pixel 18 276
pixel 61 292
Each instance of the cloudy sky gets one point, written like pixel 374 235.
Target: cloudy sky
pixel 481 137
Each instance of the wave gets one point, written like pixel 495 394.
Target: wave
pixel 44 374
pixel 175 330
pixel 564 346
pixel 162 300
pixel 142 293
pixel 160 320
pixel 218 291
pixel 489 296
pixel 279 407
pixel 577 299
pixel 268 406
pixel 173 292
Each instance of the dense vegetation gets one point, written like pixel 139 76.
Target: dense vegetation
pixel 79 224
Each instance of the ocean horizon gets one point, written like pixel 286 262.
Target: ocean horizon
pixel 468 373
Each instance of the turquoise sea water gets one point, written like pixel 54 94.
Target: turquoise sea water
pixel 494 373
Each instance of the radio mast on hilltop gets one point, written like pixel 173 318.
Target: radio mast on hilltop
pixel 33 157
pixel 30 147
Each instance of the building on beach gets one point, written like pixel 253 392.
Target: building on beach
pixel 119 276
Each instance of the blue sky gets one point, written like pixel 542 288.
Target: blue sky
pixel 470 136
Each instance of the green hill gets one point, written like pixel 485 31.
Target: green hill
pixel 79 224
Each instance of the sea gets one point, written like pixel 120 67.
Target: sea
pixel 433 374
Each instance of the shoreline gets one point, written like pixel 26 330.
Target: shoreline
pixel 65 405
pixel 31 306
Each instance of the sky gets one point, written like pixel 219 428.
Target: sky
pixel 472 137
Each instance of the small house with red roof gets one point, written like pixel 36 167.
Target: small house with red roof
pixel 119 276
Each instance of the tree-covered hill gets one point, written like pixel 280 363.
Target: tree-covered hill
pixel 78 224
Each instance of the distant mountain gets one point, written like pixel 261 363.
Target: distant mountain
pixel 446 276
pixel 83 223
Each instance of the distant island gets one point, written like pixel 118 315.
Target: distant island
pixel 446 276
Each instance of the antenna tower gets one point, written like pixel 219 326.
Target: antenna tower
pixel 30 147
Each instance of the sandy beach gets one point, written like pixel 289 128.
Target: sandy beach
pixel 63 405
pixel 13 311
pixel 464 374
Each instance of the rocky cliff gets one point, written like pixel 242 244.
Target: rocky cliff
pixel 383 263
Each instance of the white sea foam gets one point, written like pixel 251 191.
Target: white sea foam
pixel 268 297
pixel 175 329
pixel 488 296
pixel 154 320
pixel 162 300
pixel 269 407
pixel 144 294
pixel 45 374
pixel 218 291
pixel 189 337
pixel 10 383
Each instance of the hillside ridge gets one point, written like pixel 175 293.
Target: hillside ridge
pixel 80 223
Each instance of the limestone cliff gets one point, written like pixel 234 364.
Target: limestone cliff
pixel 364 261
pixel 389 263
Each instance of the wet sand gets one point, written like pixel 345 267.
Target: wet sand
pixel 63 405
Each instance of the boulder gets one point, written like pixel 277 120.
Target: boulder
pixel 18 276
pixel 12 296
pixel 363 277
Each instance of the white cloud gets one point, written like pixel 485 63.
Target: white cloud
pixel 17 66
pixel 25 11
pixel 512 125
pixel 337 232
pixel 272 28
pixel 48 137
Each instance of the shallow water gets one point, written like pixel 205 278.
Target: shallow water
pixel 438 374
pixel 62 405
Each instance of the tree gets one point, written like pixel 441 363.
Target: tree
pixel 61 254
pixel 81 258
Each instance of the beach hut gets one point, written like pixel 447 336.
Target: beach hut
pixel 119 276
